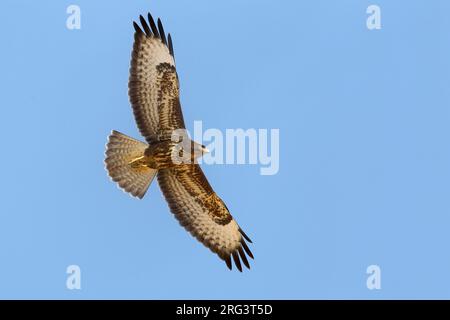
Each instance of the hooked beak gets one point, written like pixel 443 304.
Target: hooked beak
pixel 205 150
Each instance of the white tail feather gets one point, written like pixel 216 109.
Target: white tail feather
pixel 121 150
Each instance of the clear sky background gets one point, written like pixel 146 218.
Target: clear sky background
pixel 364 149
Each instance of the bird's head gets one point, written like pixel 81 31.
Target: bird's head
pixel 198 150
pixel 188 151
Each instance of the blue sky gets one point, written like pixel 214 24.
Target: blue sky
pixel 364 149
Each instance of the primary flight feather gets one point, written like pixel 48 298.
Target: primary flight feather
pixel 154 96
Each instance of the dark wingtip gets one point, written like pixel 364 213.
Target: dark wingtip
pixel 228 262
pixel 137 28
pixel 237 261
pixel 245 236
pixel 243 258
pixel 170 45
pixel 151 28
pixel 153 25
pixel 145 26
pixel 161 32
pixel 247 250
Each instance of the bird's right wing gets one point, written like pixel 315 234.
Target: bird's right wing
pixel 201 212
pixel 153 84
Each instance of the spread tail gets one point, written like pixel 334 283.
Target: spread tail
pixel 121 155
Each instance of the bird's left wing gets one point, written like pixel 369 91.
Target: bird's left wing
pixel 153 85
pixel 201 212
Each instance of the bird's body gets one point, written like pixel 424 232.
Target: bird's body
pixel 167 154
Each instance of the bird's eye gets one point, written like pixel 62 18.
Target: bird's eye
pixel 203 147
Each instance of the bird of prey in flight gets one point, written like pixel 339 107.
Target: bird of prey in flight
pixel 153 90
